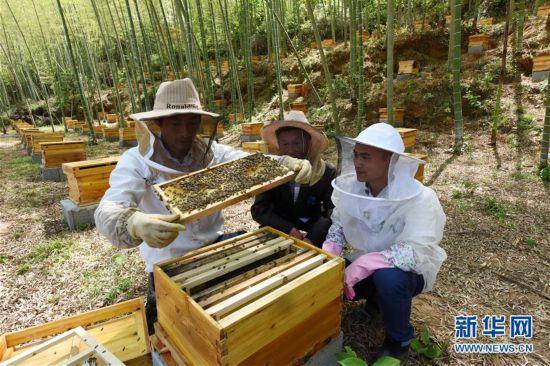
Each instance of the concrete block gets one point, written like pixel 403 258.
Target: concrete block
pixel 52 174
pixel 476 49
pixel 327 355
pixel 540 75
pixel 37 158
pixel 404 76
pixel 250 138
pixel 127 143
pixel 76 216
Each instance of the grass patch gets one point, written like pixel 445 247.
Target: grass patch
pixel 21 168
pixel 493 207
pixel 121 288
pixel 54 250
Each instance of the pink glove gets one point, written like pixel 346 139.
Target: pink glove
pixel 332 248
pixel 360 269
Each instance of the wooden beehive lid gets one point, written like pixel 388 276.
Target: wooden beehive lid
pixel 328 43
pixel 420 156
pixel 385 110
pixel 541 63
pixel 217 206
pixel 61 143
pixel 73 167
pixel 482 37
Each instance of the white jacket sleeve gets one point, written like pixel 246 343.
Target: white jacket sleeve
pixel 127 187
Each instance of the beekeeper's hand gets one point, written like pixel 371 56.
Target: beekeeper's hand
pixel 156 230
pixel 301 167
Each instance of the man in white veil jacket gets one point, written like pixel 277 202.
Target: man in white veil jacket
pixel 392 225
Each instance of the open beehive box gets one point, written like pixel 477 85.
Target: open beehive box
pixel 206 191
pixel 261 298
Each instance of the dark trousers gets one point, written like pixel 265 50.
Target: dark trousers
pixel 392 289
pixel 151 300
pixel 317 229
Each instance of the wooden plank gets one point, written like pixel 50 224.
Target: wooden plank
pixel 314 332
pixel 304 295
pixel 258 290
pixel 175 353
pixel 204 277
pixel 255 246
pixel 217 206
pixel 262 275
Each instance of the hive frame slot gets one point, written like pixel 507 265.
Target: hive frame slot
pixel 219 310
pixel 246 283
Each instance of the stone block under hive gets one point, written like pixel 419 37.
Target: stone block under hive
pixel 206 191
pixel 88 180
pixel 260 298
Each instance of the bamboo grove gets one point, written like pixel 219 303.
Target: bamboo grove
pixel 76 57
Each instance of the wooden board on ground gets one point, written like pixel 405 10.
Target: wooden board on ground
pixel 54 154
pixel 120 328
pixel 283 313
pixel 88 180
pixel 206 191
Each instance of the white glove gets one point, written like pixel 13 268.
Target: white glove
pixel 300 166
pixel 156 230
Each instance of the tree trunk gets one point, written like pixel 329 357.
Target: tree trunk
pixel 457 95
pixel 389 64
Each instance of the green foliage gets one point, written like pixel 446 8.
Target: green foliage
pixel 495 208
pixel 425 346
pixel 349 358
pixel 55 249
pixel 530 243
pixel 122 287
pixel 23 268
pixel 545 174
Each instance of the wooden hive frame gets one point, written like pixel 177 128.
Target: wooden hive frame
pixel 88 180
pixel 251 129
pixel 541 63
pixel 261 298
pixel 216 206
pixel 120 328
pixel 409 67
pixel 38 138
pixel 54 154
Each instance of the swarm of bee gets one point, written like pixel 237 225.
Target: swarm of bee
pixel 196 192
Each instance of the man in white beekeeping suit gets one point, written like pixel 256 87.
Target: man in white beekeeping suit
pixel 131 215
pixel 392 224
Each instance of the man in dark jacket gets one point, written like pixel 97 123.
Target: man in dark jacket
pixel 294 208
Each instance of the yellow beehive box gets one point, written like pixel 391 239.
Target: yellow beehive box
pixel 408 135
pixel 112 118
pixel 88 180
pixel 281 56
pixel 27 137
pixel 254 146
pixel 218 103
pixel 250 129
pixel 235 117
pixel 261 298
pixel 418 25
pixel 486 21
pixel 398 114
pixel 420 172
pixel 120 328
pixel 543 11
pixel 448 19
pixel 298 106
pixel 408 67
pixel 479 40
pixel 37 138
pixel 541 63
pixel 110 133
pixel 55 154
pixel 328 43
pixel 320 127
pixel 127 134
pixel 98 130
pixel 294 90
